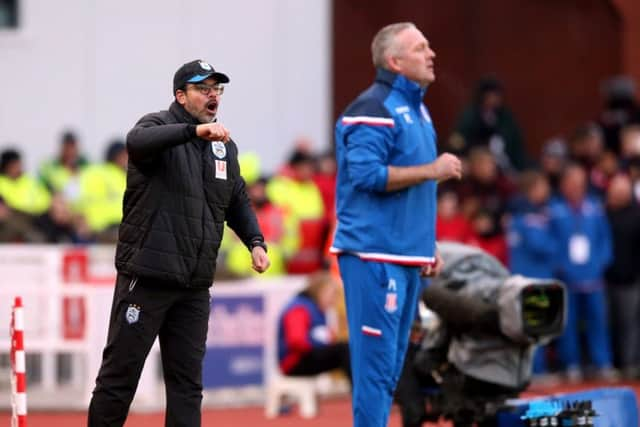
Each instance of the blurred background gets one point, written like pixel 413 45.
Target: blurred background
pixel 524 89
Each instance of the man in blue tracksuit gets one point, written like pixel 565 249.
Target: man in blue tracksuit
pixel 386 208
pixel 579 223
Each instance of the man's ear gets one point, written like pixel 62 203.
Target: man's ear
pixel 393 63
pixel 181 97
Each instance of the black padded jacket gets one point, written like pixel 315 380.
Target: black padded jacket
pixel 176 203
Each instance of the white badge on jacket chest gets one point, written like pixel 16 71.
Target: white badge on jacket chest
pixel 218 148
pixel 579 249
pixel 221 169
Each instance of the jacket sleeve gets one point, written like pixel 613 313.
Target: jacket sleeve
pixel 151 135
pixel 240 215
pixel 367 154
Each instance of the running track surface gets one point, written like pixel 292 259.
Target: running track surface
pixel 333 413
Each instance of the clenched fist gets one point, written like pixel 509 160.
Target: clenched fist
pixel 213 132
pixel 447 166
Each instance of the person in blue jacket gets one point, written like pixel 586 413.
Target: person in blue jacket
pixel 532 246
pixel 579 222
pixel 388 168
pixel 307 344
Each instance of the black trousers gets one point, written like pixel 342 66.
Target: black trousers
pixel 141 312
pixel 324 359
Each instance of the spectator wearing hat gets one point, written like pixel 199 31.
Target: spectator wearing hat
pixel 183 183
pixel 21 191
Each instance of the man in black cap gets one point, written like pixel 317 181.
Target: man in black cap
pixel 183 183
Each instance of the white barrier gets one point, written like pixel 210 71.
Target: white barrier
pixel 67 294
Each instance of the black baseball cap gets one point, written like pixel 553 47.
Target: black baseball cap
pixel 195 72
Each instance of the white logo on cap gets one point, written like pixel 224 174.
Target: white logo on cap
pixel 205 66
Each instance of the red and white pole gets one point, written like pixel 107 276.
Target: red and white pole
pixel 18 367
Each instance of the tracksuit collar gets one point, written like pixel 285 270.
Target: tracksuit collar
pixel 401 83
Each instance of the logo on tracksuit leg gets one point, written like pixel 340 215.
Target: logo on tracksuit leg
pixel 133 313
pixel 391 301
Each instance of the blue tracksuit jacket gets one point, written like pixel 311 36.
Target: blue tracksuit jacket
pixel 532 246
pixel 388 124
pixel 584 238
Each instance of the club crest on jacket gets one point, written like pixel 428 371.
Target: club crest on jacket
pixel 133 313
pixel 219 150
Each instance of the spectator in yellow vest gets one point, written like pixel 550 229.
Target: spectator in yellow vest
pixel 19 190
pixel 294 190
pixel 102 189
pixel 62 174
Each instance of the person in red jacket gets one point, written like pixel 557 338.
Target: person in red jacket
pixel 451 223
pixel 306 342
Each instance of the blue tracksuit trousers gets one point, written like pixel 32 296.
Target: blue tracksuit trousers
pixel 589 307
pixel 381 300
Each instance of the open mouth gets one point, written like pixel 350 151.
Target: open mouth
pixel 212 107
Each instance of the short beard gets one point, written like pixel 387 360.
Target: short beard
pixel 200 117
pixel 204 121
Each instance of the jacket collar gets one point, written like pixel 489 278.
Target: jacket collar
pixel 397 81
pixel 182 114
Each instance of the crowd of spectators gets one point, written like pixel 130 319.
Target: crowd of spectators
pixel 69 200
pixel 569 213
